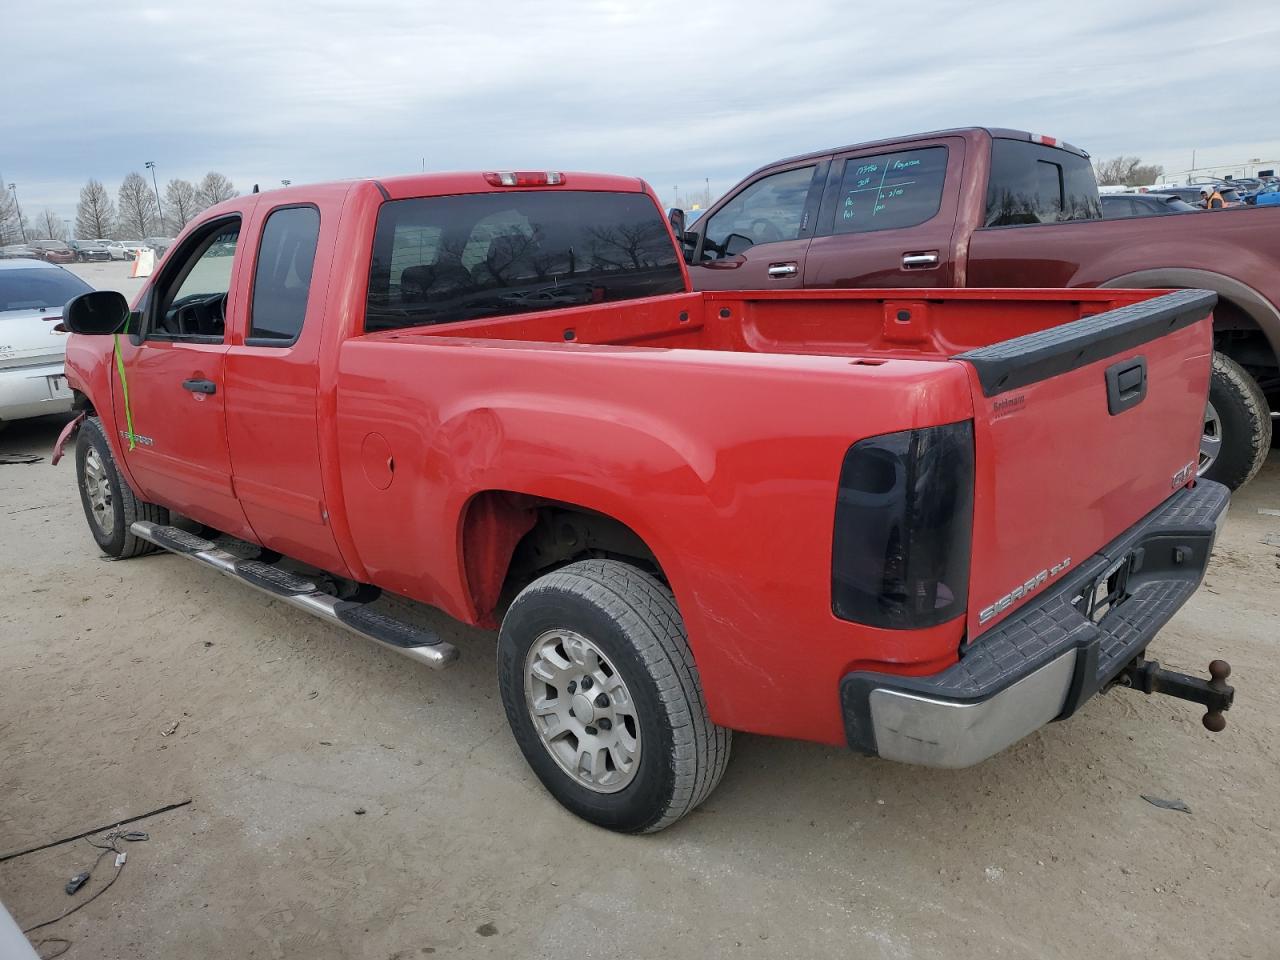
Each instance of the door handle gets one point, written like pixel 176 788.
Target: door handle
pixel 916 261
pixel 781 270
pixel 200 386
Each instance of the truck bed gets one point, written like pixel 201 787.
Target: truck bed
pixel 865 324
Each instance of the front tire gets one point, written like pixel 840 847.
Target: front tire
pixel 604 699
pixel 1237 428
pixel 110 504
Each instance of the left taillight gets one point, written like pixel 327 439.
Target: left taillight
pixel 903 528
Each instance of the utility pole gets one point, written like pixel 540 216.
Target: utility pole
pixel 151 165
pixel 285 183
pixel 13 188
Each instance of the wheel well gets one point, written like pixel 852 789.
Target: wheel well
pixel 509 539
pixel 80 402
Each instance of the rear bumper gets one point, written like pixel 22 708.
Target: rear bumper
pixel 26 392
pixel 1049 657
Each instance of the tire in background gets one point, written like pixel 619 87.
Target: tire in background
pixel 1246 424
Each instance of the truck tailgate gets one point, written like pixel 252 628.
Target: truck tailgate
pixel 1079 432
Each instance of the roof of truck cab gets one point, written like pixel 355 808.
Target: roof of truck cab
pixel 1002 132
pixel 444 184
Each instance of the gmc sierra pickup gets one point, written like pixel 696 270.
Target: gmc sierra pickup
pixel 818 515
pixel 1003 208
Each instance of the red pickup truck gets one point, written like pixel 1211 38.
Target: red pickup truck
pixel 1004 208
pixel 818 515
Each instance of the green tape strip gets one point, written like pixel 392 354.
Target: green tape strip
pixel 124 384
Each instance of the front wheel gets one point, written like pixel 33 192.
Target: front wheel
pixel 604 699
pixel 110 504
pixel 1237 425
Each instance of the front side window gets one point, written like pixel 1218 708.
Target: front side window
pixel 891 190
pixel 1031 183
pixel 282 279
pixel 445 259
pixel 769 210
pixel 192 299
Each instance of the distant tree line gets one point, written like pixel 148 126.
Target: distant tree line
pixel 1126 172
pixel 133 215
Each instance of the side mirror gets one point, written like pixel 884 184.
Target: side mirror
pixel 96 312
pixel 675 216
pixel 736 243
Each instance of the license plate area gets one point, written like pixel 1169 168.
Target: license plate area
pixel 1107 591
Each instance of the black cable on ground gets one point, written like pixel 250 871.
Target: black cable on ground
pixel 89 833
pixel 109 847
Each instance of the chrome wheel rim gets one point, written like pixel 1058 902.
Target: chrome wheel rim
pixel 582 711
pixel 98 488
pixel 1210 440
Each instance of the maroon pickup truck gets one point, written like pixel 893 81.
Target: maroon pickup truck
pixel 1003 208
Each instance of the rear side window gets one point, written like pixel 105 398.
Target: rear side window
pixel 890 190
pixel 445 259
pixel 1031 183
pixel 282 279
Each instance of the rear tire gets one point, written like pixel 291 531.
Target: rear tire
pixel 110 505
pixel 1238 419
pixel 600 642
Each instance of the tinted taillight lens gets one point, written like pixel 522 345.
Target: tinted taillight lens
pixel 904 518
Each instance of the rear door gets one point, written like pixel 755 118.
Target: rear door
pixel 1079 432
pixel 888 217
pixel 175 378
pixel 756 238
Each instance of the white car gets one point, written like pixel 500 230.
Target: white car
pixel 117 249
pixel 32 295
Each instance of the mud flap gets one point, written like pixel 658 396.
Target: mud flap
pixel 67 433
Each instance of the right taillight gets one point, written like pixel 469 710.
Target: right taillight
pixel 904 518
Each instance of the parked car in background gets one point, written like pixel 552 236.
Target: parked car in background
pixel 16 251
pixel 116 249
pixel 53 251
pixel 1118 205
pixel 1268 195
pixel 133 247
pixel 32 345
pixel 980 207
pixel 159 244
pixel 87 250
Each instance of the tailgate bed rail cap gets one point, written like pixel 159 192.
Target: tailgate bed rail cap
pixel 1038 356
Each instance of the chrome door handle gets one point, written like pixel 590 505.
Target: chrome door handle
pixel 919 259
pixel 780 270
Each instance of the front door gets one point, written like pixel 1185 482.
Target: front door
pixel 756 239
pixel 174 369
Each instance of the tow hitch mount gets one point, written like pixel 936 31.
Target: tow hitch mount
pixel 1214 693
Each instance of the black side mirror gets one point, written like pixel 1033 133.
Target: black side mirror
pixel 96 312
pixel 736 243
pixel 675 216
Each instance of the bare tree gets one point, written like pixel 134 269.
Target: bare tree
pixel 180 204
pixel 137 207
pixel 214 188
pixel 50 226
pixel 1126 172
pixel 11 226
pixel 95 213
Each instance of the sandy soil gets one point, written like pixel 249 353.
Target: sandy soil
pixel 287 727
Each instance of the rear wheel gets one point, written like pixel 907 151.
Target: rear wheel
pixel 1237 426
pixel 110 504
pixel 604 699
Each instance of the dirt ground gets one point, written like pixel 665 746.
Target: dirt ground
pixel 286 728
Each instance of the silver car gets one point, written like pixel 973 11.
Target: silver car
pixel 32 348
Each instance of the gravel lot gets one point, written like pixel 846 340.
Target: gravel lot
pixel 287 729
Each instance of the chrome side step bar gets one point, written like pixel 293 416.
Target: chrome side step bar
pixel 413 642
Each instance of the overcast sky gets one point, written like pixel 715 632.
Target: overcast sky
pixel 673 92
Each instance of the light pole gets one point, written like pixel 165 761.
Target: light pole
pixel 13 188
pixel 285 183
pixel 151 165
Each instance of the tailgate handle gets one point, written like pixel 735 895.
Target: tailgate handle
pixel 1126 384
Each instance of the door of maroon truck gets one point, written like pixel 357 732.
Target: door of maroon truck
pixel 888 217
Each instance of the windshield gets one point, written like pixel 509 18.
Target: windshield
pixel 38 289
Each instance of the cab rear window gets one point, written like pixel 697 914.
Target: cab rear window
pixel 445 259
pixel 1031 183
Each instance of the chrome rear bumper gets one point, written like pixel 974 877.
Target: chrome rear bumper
pixel 1050 656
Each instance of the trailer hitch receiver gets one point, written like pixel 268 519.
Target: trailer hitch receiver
pixel 1216 696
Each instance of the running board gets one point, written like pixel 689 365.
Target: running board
pixel 418 644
